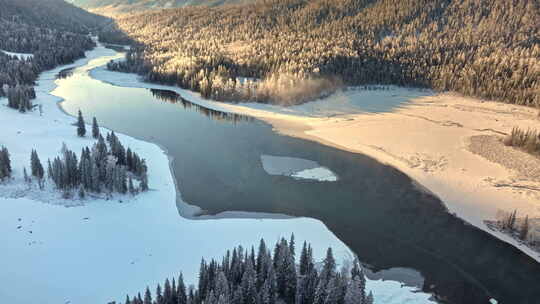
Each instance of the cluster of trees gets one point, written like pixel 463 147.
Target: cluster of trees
pixel 54 31
pixel 5 164
pixel 509 222
pixel 244 277
pixel 105 168
pixel 528 140
pixel 483 48
pixel 20 97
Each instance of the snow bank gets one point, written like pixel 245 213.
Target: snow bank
pixel 102 250
pixel 18 55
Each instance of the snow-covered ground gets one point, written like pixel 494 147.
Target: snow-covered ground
pixel 101 250
pixel 18 55
pixel 297 168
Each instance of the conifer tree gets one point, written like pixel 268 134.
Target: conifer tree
pixel 95 128
pixel 147 296
pixel 182 295
pixel 5 164
pixel 35 165
pixel 81 127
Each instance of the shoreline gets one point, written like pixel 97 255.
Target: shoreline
pixel 445 182
pixel 431 146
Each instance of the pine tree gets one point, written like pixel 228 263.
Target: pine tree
pixel 329 267
pixel 182 295
pixel 35 165
pixel 334 288
pixel 249 288
pixel 129 159
pixel 354 294
pixel 5 164
pixel 147 296
pixel 304 259
pixel 357 272
pixel 95 128
pixel 81 127
pixel 167 292
pixel 159 296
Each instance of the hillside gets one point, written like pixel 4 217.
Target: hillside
pixel 125 6
pixel 49 33
pixel 302 49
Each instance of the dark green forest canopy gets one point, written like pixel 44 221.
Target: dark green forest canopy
pixel 483 48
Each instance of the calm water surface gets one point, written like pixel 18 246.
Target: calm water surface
pixel 373 208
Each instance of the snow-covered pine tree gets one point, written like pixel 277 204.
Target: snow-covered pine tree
pixel 37 168
pixel 129 159
pixel 354 294
pixel 81 127
pixel 181 290
pixel 147 296
pixel 5 164
pixel 95 128
pixel 358 273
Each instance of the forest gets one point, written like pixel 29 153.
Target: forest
pixel 243 277
pixel 112 7
pixel 53 31
pixel 290 51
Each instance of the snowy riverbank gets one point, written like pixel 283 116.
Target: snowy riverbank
pixel 101 250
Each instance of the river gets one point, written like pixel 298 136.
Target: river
pixel 387 220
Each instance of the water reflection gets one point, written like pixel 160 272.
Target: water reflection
pixel 175 98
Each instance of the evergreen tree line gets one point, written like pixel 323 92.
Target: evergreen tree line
pixel 54 31
pixel 296 49
pixel 246 277
pixel 5 164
